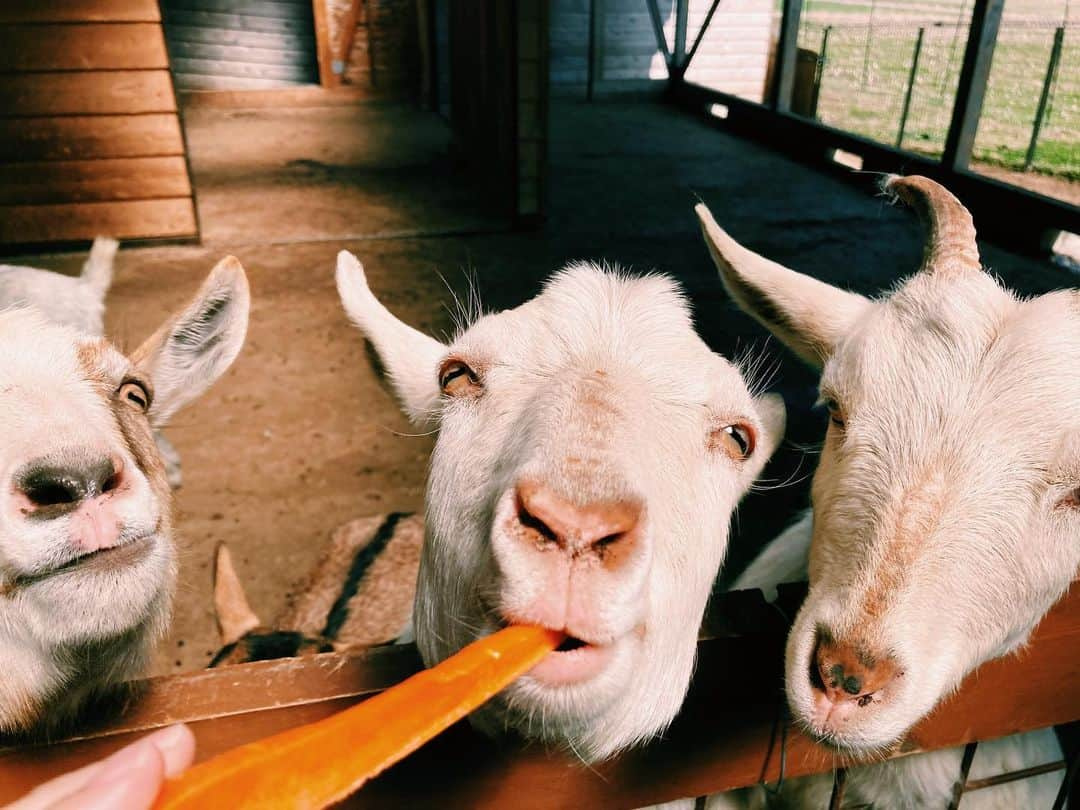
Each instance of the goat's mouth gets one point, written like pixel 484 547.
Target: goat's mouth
pixel 574 661
pixel 103 560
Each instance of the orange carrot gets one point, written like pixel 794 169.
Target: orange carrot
pixel 315 765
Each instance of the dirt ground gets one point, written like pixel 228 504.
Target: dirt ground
pixel 300 436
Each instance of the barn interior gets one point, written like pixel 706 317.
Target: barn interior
pixel 449 145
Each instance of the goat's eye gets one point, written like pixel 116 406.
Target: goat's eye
pixel 836 413
pixel 457 379
pixel 135 393
pixel 736 440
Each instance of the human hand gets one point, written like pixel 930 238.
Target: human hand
pixel 129 779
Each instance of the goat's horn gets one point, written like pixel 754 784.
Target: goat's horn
pixel 950 246
pixel 235 617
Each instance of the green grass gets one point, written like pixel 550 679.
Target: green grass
pixel 862 90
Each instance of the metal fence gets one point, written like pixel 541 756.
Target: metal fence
pixel 895 80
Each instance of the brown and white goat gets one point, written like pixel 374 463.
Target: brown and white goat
pixel 591 451
pixel 946 506
pixel 87 564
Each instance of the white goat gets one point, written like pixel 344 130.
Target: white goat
pixel 591 451
pixel 946 514
pixel 87 565
pixel 77 302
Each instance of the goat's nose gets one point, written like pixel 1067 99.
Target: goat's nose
pixel 850 671
pixel 54 490
pixel 605 528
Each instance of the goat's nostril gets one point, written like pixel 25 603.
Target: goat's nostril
pixel 54 490
pixel 595 528
pixel 847 671
pixel 531 521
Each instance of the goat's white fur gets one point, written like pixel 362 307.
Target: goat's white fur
pixel 74 301
pixel 68 634
pixel 629 343
pixel 949 500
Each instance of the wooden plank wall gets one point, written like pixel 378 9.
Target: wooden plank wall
pixel 733 56
pixel 90 138
pixel 241 44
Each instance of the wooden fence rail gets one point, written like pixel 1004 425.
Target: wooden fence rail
pixel 729 734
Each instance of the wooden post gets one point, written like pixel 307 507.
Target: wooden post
pixel 323 46
pixel 1044 97
pixel 974 73
pixel 658 31
pixel 910 88
pixel 787 53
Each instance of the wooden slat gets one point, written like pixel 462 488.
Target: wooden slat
pixel 238 22
pixel 141 219
pixel 93 180
pixel 238 53
pixel 91 46
pixel 724 737
pixel 259 8
pixel 247 70
pixel 219 84
pixel 27 11
pixel 98 92
pixel 176 33
pixel 97 136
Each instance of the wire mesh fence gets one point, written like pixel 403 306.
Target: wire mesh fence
pixel 892 76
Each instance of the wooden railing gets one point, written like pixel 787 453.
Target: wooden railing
pixel 732 731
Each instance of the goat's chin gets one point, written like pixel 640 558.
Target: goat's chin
pixel 80 606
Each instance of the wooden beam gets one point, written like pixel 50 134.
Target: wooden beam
pixel 323 47
pixel 971 88
pixel 787 52
pixel 70 181
pixel 25 11
pixel 725 737
pixel 678 50
pixel 90 92
pixel 658 31
pixel 82 46
pixel 75 137
pixel 69 222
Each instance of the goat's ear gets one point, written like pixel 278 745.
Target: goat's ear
pixel 772 415
pixel 410 358
pixel 808 315
pixel 235 618
pixel 197 345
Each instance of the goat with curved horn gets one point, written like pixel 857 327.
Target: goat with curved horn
pixel 950 246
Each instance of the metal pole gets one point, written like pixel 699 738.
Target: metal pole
pixel 819 74
pixel 910 88
pixel 1044 98
pixel 658 31
pixel 701 34
pixel 971 87
pixel 869 40
pixel 678 50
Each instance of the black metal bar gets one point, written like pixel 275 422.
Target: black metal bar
pixel 658 32
pixel 678 50
pixel 594 30
pixel 1044 97
pixel 910 88
pixel 819 72
pixel 1005 214
pixel 1067 784
pixel 965 768
pixel 787 52
pixel 836 800
pixel 1014 776
pixel 701 34
pixel 971 89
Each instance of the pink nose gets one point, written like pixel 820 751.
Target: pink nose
pixel 606 530
pixel 79 491
pixel 850 672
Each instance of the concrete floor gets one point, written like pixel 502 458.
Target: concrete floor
pixel 300 436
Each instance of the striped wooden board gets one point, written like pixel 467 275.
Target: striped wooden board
pixel 241 44
pixel 90 138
